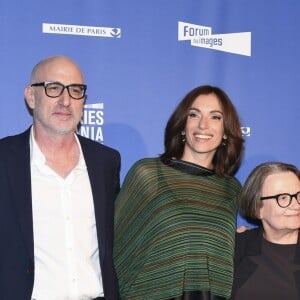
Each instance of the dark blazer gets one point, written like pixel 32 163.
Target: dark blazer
pixel 247 244
pixel 16 224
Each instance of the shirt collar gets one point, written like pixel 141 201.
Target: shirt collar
pixel 38 158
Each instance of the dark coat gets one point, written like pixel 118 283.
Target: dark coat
pixel 249 243
pixel 16 223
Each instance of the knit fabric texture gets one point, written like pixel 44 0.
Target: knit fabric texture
pixel 174 231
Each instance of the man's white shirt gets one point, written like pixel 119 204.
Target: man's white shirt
pixel 66 254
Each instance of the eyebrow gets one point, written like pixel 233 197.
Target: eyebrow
pixel 212 111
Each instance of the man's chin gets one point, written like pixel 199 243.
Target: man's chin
pixel 64 130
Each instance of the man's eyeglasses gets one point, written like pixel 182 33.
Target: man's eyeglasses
pixel 55 89
pixel 284 200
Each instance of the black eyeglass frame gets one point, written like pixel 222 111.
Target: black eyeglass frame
pixel 46 83
pixel 278 195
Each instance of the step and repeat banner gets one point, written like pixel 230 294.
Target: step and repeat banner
pixel 140 58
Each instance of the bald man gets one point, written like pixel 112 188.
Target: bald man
pixel 57 192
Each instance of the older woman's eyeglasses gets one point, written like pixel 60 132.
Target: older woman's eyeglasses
pixel 283 200
pixel 55 89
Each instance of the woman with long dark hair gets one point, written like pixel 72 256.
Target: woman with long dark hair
pixel 175 216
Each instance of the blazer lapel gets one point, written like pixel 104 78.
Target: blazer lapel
pixel 20 179
pixel 96 176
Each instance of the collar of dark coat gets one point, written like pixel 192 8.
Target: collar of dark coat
pixel 254 247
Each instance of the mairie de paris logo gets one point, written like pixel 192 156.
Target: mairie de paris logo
pixel 107 32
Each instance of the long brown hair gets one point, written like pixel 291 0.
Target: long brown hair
pixel 227 159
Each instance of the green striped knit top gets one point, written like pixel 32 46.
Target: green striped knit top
pixel 174 230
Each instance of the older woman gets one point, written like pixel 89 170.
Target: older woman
pixel 175 215
pixel 267 259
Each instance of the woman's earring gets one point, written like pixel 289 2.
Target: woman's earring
pixel 224 139
pixel 183 137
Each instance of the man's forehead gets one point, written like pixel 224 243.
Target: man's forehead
pixel 59 68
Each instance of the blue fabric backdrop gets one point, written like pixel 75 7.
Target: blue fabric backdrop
pixel 141 57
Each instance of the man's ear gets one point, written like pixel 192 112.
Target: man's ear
pixel 29 96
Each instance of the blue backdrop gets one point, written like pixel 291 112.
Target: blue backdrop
pixel 141 57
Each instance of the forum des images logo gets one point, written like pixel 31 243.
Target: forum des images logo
pixel 202 36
